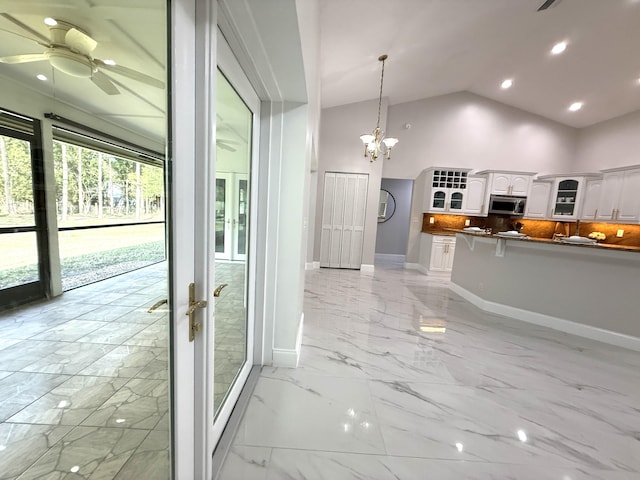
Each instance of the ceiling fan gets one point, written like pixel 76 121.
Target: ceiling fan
pixel 546 5
pixel 227 144
pixel 69 51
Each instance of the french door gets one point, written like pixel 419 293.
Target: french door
pixel 232 207
pixel 213 194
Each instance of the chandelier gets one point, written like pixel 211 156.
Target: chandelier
pixel 376 144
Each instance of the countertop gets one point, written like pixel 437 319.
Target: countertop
pixel 600 246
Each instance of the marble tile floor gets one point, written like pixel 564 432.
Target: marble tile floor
pixel 399 378
pixel 83 383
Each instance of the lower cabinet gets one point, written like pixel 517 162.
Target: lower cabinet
pixel 436 253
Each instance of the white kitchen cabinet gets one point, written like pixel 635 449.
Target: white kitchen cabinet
pixel 473 203
pixel 568 195
pixel 538 199
pixel 445 190
pixel 591 198
pixel 508 183
pixel 436 253
pixel 619 200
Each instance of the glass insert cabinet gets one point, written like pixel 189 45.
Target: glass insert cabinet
pixel 445 190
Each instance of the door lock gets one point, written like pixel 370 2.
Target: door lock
pixel 193 306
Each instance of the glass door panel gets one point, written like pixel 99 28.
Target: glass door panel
pixel 221 214
pixel 22 238
pixel 233 170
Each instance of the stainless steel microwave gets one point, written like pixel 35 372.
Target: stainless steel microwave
pixel 507 205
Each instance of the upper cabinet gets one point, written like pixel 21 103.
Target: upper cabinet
pixel 473 203
pixel 619 198
pixel 538 199
pixel 445 190
pixel 568 194
pixel 591 198
pixel 508 183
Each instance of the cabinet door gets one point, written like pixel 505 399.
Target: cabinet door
pixel 437 262
pixel 455 203
pixel 538 200
pixel 439 201
pixel 629 202
pixel 520 185
pixel 501 184
pixel 450 250
pixel 565 199
pixel 474 198
pixel 611 186
pixel 591 198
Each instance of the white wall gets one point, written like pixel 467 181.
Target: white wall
pixel 308 20
pixel 341 150
pixel 614 143
pixel 466 130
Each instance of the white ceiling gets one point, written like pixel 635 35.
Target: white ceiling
pixel 131 32
pixel 437 47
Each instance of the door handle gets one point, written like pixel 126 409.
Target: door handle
pixel 193 306
pixel 218 290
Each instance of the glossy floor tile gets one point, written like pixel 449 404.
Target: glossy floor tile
pixel 83 383
pixel 399 378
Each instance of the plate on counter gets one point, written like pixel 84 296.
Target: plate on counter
pixel 473 229
pixel 511 234
pixel 578 240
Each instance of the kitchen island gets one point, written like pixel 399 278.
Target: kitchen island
pixel 588 290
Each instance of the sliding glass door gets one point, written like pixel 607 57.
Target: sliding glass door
pixel 24 264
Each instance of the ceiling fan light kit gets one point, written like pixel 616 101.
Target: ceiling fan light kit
pixel 69 62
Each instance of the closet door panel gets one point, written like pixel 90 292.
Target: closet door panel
pixel 327 210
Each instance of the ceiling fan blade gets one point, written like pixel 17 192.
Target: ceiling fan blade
pixel 31 57
pixel 546 5
pixel 128 72
pixel 225 146
pixel 80 42
pixel 27 37
pixel 32 33
pixel 104 83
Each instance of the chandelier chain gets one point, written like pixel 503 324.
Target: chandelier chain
pixel 380 96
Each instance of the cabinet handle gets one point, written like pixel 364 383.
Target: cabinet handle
pixel 613 214
pixel 595 215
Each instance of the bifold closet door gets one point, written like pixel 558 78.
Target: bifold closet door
pixel 343 215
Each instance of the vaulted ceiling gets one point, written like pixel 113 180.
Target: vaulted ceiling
pixel 437 47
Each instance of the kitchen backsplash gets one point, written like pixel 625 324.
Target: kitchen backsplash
pixel 535 228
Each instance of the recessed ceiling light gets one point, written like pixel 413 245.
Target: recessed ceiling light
pixel 42 77
pixel 559 48
pixel 507 83
pixel 574 107
pixel 50 21
pixel 108 61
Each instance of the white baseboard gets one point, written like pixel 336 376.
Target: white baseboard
pixel 417 266
pixel 567 326
pixel 288 357
pixel 311 265
pixel 367 268
pixel 389 257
